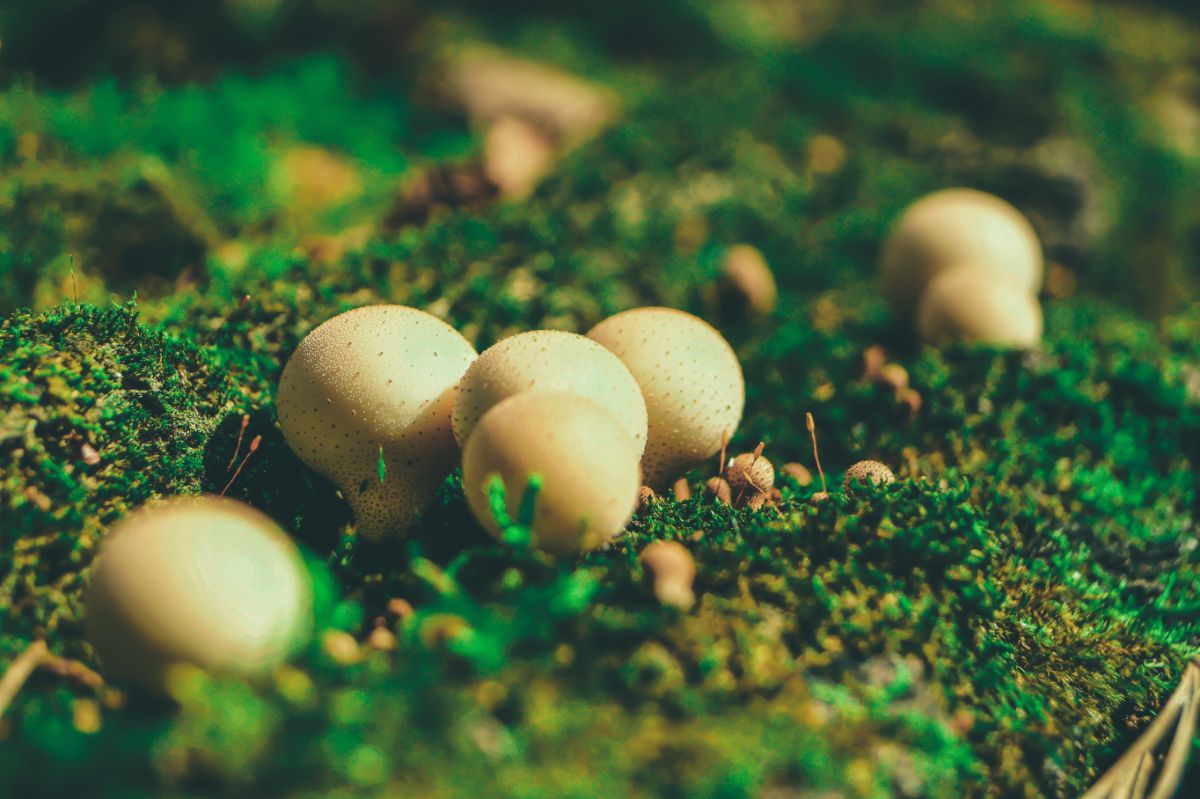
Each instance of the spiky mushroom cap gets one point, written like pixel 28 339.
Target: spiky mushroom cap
pixel 549 360
pixel 968 304
pixel 205 581
pixel 868 471
pixel 588 465
pixel 690 378
pixel 365 400
pixel 955 226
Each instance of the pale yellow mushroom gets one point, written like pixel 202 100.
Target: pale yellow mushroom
pixel 549 360
pixel 867 471
pixel 967 304
pixel 375 385
pixel 691 380
pixel 587 463
pixel 952 227
pixel 205 581
pixel 674 571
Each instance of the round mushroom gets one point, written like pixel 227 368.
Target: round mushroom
pixel 690 378
pixel 365 400
pixel 549 360
pixel 868 471
pixel 674 571
pixel 588 465
pixel 952 227
pixel 968 304
pixel 750 476
pixel 205 581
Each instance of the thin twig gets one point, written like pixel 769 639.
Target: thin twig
pixel 18 672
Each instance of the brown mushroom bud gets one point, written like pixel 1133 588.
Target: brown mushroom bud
pixel 868 471
pixel 957 226
pixel 874 357
pixel 691 380
pixel 798 472
pixel 911 399
pixel 894 376
pixel 682 489
pixel 365 400
pixel 819 497
pixel 718 488
pixel 646 494
pixel 549 360
pixel 673 570
pixel 588 466
pixel 968 304
pixel 746 275
pixel 204 581
pixel 749 476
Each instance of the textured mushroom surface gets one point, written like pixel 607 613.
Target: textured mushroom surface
pixel 968 304
pixel 365 400
pixel 750 474
pixel 868 471
pixel 952 227
pixel 549 360
pixel 206 581
pixel 588 465
pixel 690 378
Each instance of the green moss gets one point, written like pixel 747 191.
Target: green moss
pixel 1001 622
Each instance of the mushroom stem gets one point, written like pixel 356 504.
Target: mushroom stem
pixel 18 672
pixel 812 431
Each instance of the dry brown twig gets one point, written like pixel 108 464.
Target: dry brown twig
pixel 1133 775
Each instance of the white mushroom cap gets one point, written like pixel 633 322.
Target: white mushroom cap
pixel 588 465
pixel 968 304
pixel 952 227
pixel 549 360
pixel 691 380
pixel 205 581
pixel 377 377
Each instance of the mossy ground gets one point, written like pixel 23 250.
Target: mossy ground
pixel 1000 622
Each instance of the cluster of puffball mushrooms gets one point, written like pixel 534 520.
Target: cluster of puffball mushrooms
pixel 387 400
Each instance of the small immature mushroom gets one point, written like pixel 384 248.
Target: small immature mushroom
pixel 673 570
pixel 952 227
pixel 894 376
pixel 968 304
pixel 868 471
pixel 798 472
pixel 365 400
pixel 718 488
pixel 646 495
pixel 549 360
pixel 589 468
pixel 750 476
pixel 205 581
pixel 746 276
pixel 682 490
pixel 690 378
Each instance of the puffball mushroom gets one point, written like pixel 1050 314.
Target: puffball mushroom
pixel 969 304
pixel 690 378
pixel 365 400
pixel 549 360
pixel 952 227
pixel 205 581
pixel 587 462
pixel 868 471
